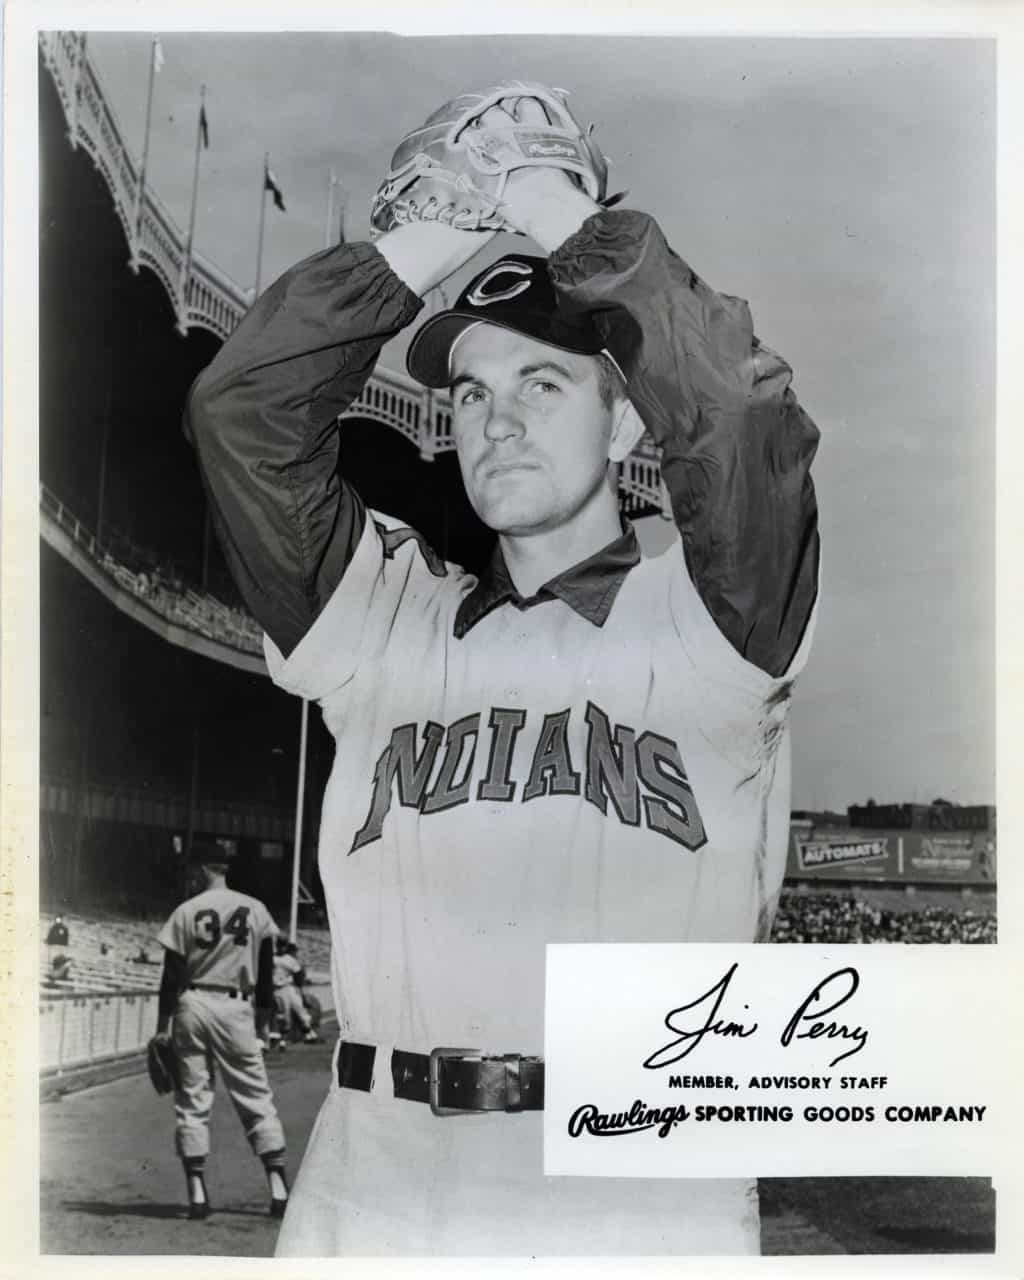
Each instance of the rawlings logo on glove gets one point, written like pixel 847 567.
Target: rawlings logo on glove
pixel 454 168
pixel 549 149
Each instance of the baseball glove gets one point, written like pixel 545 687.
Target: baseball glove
pixel 162 1063
pixel 454 168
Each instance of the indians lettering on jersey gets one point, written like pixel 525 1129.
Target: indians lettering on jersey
pixel 643 775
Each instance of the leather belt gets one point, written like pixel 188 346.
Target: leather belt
pixel 223 991
pixel 452 1081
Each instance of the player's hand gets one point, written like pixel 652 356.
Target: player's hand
pixel 423 254
pixel 544 203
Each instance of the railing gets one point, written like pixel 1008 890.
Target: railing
pixel 77 1030
pixel 203 614
pixel 418 413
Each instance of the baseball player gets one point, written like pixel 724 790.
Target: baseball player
pixel 287 997
pixel 218 955
pixel 582 744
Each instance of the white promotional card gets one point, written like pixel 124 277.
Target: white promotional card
pixel 716 1060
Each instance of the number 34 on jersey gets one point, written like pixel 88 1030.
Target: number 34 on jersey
pixel 219 933
pixel 209 929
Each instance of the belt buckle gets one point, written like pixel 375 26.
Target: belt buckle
pixel 434 1079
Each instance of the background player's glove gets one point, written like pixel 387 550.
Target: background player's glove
pixel 453 169
pixel 162 1063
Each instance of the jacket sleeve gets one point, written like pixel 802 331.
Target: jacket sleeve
pixel 736 445
pixel 264 993
pixel 263 418
pixel 173 981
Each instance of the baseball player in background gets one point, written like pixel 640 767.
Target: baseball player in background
pixel 288 1004
pixel 219 955
pixel 582 744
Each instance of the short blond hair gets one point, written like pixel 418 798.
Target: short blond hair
pixel 610 386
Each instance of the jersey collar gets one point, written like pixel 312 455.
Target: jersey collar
pixel 589 587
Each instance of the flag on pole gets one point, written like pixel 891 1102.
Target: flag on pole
pixel 158 55
pixel 270 184
pixel 204 127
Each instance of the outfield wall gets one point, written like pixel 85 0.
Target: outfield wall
pixel 79 1030
pixel 959 858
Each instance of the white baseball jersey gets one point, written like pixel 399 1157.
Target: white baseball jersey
pixel 541 779
pixel 219 932
pixel 286 966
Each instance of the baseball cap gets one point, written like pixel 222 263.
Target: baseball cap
pixel 208 853
pixel 515 293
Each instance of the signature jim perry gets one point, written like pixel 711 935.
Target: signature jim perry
pixel 701 1017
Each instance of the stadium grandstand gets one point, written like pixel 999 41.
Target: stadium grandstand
pixel 159 725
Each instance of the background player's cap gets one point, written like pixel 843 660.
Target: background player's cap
pixel 205 853
pixel 516 293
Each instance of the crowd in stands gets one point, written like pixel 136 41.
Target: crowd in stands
pixel 84 956
pixel 194 610
pixel 833 917
pixel 161 587
pixel 90 955
pixel 200 612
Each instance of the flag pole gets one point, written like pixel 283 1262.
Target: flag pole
pixel 263 214
pixel 328 239
pixel 299 799
pixel 293 923
pixel 301 784
pixel 339 231
pixel 140 194
pixel 186 265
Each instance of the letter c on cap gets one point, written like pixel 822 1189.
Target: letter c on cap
pixel 477 297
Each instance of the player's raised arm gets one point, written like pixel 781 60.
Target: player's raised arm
pixel 263 415
pixel 736 445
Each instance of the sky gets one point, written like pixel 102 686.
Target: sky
pixel 845 187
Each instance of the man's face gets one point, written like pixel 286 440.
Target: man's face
pixel 531 430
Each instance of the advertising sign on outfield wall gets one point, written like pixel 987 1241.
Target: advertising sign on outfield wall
pixel 903 857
